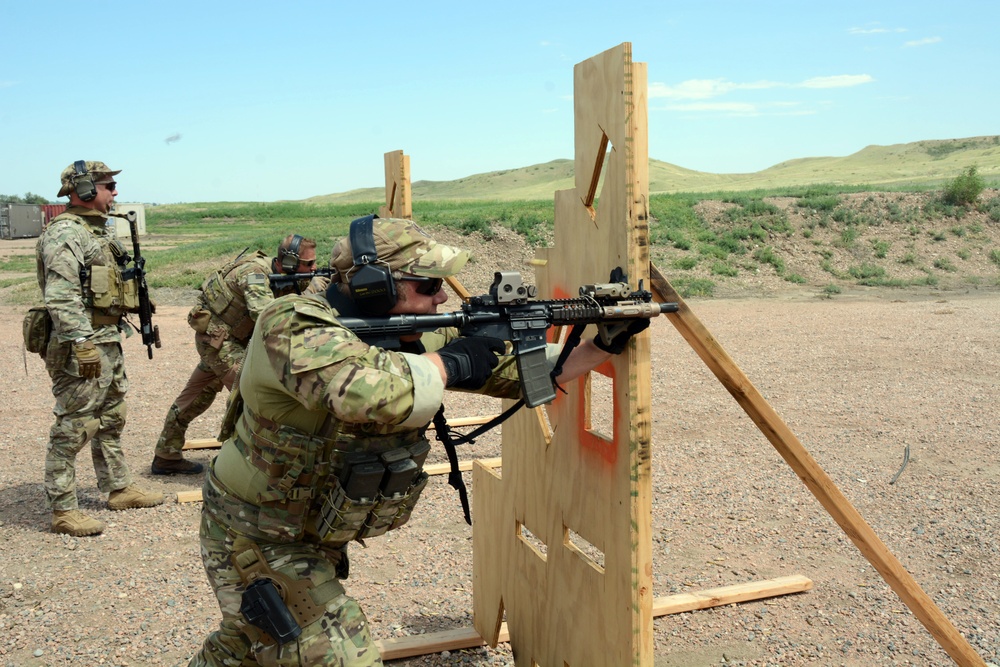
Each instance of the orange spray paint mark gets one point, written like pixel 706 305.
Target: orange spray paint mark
pixel 606 451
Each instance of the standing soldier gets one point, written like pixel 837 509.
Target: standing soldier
pixel 79 266
pixel 223 319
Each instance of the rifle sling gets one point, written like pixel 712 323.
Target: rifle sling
pixel 455 475
pixel 444 432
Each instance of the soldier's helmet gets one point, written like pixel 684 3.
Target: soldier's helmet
pixel 100 172
pixel 405 247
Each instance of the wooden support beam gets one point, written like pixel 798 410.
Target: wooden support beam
pixel 460 638
pixel 194 496
pixel 813 476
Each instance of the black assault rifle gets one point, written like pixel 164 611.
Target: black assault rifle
pixel 150 332
pixel 281 281
pixel 509 313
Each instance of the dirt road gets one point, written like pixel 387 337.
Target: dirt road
pixel 857 378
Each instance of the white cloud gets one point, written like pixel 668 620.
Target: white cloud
pixel 730 107
pixel 839 81
pixel 742 108
pixel 703 89
pixel 873 31
pixel 923 42
pixel 8 84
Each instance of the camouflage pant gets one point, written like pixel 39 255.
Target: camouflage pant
pixel 339 637
pixel 86 411
pixel 215 370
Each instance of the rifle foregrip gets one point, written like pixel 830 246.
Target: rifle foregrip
pixel 638 310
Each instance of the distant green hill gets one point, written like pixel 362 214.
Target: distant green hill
pixel 919 163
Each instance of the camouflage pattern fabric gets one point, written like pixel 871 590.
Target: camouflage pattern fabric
pixel 75 240
pixel 340 637
pixel 220 353
pixel 86 411
pixel 99 171
pixel 403 246
pixel 197 396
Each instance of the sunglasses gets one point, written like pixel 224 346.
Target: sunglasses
pixel 426 286
pixel 110 185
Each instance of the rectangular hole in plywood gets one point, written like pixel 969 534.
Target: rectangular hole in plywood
pixel 583 549
pixel 600 402
pixel 528 539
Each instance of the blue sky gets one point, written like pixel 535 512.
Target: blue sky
pixel 260 101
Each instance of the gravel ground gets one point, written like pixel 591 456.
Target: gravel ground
pixel 857 379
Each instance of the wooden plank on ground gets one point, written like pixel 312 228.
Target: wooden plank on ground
pixel 461 638
pixel 202 443
pixel 433 469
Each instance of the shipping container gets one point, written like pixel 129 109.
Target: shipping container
pixel 20 221
pixel 50 211
pixel 121 224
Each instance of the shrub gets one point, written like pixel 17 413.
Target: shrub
pixel 880 248
pixel 944 264
pixel 723 269
pixel 964 190
pixel 694 287
pixel 867 271
pixel 766 255
pixel 686 263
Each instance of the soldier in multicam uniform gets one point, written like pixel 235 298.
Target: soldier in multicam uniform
pixel 78 269
pixel 326 423
pixel 223 319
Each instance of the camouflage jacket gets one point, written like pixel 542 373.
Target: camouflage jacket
pixel 313 393
pixel 232 298
pixel 72 243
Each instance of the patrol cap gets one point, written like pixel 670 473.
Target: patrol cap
pixel 99 171
pixel 404 247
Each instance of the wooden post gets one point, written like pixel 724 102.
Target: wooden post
pixel 398 196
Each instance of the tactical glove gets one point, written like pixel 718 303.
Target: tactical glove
pixel 620 341
pixel 88 358
pixel 469 362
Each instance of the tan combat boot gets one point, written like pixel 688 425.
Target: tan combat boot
pixel 132 497
pixel 75 523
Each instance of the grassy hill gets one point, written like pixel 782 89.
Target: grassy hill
pixel 922 163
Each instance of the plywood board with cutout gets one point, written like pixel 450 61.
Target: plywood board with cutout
pixel 561 539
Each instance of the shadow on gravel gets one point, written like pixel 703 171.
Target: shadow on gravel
pixel 424 624
pixel 23 505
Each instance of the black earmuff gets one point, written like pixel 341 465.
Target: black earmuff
pixel 83 182
pixel 288 257
pixel 373 289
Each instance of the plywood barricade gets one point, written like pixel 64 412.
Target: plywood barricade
pixel 398 193
pixel 562 539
